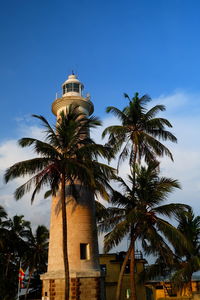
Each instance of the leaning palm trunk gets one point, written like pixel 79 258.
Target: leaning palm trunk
pixel 132 273
pixel 119 284
pixel 64 227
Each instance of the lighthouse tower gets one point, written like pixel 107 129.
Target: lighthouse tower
pixel 82 241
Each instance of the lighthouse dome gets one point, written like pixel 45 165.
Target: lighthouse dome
pixel 72 86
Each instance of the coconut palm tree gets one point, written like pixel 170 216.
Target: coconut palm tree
pixel 180 266
pixel 14 232
pixel 137 212
pixel 68 155
pixel 17 234
pixel 189 260
pixel 140 131
pixel 37 254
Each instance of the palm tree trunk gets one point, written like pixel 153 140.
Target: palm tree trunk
pixel 190 286
pixel 64 227
pixel 135 150
pixel 29 280
pixel 7 265
pixel 132 273
pixel 132 253
pixel 119 283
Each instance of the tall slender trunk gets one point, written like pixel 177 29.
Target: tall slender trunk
pixel 29 280
pixel 130 251
pixel 132 254
pixel 132 273
pixel 135 150
pixel 64 228
pixel 119 284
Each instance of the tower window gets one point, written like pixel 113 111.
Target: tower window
pixel 69 87
pixel 76 87
pixel 84 251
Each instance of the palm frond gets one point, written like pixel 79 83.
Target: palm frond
pixel 174 236
pixel 50 132
pixel 47 194
pixel 111 221
pixel 101 211
pixel 124 154
pixel 114 237
pixel 154 111
pixel 27 167
pixel 117 112
pixel 158 148
pixel 38 181
pixel 170 210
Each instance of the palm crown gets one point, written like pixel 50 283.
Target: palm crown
pixel 189 260
pixel 137 212
pixel 140 131
pixel 67 150
pixel 140 210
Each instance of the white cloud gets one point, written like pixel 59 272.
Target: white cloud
pixel 186 166
pixel 174 101
pixel 10 153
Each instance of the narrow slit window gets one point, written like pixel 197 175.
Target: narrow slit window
pixel 84 251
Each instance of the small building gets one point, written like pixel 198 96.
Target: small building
pixel 164 289
pixel 111 265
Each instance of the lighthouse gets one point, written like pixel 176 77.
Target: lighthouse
pixel 82 244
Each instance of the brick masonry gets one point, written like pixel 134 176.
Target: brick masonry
pixel 80 289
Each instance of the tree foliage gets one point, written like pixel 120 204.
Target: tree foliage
pixel 67 156
pixel 140 131
pixel 19 246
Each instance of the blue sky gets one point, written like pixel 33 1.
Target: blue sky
pixel 115 47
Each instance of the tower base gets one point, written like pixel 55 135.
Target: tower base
pixel 83 286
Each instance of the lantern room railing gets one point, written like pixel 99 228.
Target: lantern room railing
pixel 59 94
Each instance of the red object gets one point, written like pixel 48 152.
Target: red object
pixel 21 277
